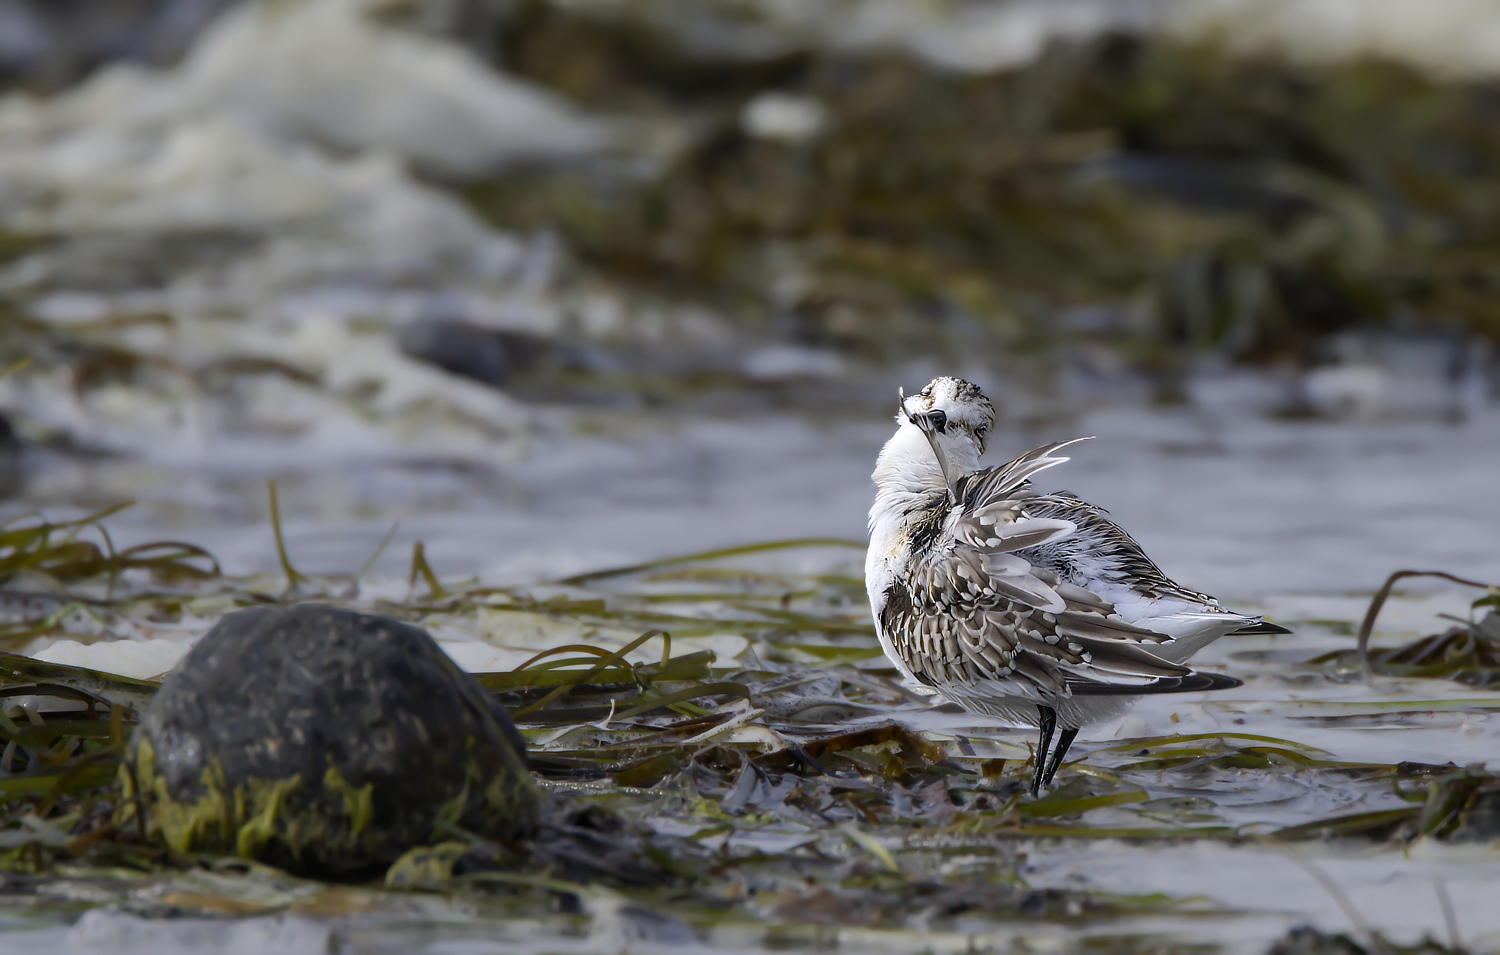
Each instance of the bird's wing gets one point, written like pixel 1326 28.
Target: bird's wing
pixel 970 611
pixel 1107 544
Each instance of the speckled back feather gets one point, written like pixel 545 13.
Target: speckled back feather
pixel 968 610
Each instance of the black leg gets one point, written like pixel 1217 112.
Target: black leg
pixel 1063 742
pixel 1045 727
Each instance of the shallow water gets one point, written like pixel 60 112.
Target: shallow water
pixel 1297 520
pixel 1233 503
pixel 239 206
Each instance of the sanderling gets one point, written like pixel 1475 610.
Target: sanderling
pixel 1034 608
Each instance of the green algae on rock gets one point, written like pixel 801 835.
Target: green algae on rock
pixel 322 741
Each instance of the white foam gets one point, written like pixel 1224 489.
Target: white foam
pixel 109 929
pixel 780 116
pixel 295 127
pixel 1446 37
pixel 141 659
pixel 287 78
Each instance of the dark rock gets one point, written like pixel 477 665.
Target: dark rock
pixel 324 741
pixel 10 459
pixel 458 347
pixel 489 356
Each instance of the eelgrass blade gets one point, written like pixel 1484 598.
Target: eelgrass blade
pixel 617 656
pixel 1368 624
pixel 420 568
pixel 293 579
pixel 718 554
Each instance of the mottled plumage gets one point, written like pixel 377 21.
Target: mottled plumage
pixel 1035 608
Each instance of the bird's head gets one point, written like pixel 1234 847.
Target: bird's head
pixel 952 410
pixel 954 417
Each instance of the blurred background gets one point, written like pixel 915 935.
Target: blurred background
pixel 549 286
pixel 566 283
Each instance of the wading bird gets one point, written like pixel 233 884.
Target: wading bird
pixel 1034 608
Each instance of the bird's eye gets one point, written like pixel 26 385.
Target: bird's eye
pixel 939 420
pixel 980 432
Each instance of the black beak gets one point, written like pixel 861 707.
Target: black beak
pixel 929 422
pixel 932 424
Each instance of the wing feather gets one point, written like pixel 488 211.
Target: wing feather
pixel 1027 590
pixel 1006 533
pixel 1104 541
pixel 1000 482
pixel 1095 626
pixel 969 610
